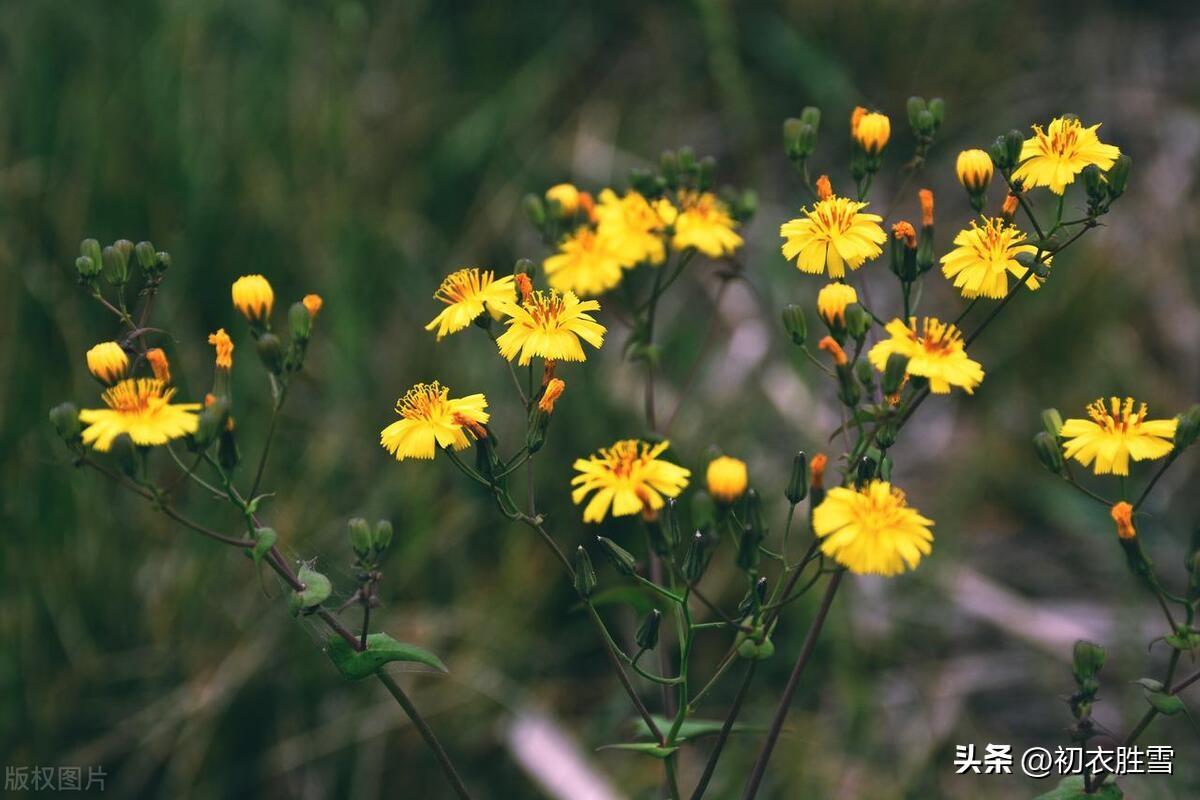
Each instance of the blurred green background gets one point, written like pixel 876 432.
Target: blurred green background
pixel 362 151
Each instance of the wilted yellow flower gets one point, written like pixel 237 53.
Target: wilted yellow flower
pixel 830 345
pixel 159 364
pixel 108 362
pixel 550 325
pixel 1054 156
pixel 224 347
pixel 984 256
pixel 554 390
pixel 833 235
pixel 466 293
pixel 704 223
pixel 253 297
pixel 432 419
pixel 1114 435
pixel 903 231
pixel 1122 514
pixel 824 188
pixel 629 477
pixel 633 227
pixel 926 198
pixel 566 195
pixel 936 353
pixel 832 301
pixel 586 263
pixel 1008 209
pixel 727 478
pixel 313 303
pixel 974 168
pixel 872 530
pixel 871 131
pixel 140 407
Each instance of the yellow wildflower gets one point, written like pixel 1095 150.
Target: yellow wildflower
pixel 1054 156
pixel 936 353
pixel 550 325
pixel 253 297
pixel 466 293
pixel 703 222
pixel 872 530
pixel 432 419
pixel 140 407
pixel 974 168
pixel 586 263
pixel 727 478
pixel 108 362
pixel 834 234
pixel 633 227
pixel 832 301
pixel 629 477
pixel 1114 435
pixel 984 256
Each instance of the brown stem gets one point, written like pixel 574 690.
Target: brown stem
pixel 735 709
pixel 427 733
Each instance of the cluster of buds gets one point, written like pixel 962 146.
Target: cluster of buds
pixel 800 135
pixel 1088 660
pixel 114 263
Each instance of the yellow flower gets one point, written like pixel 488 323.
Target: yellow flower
pixel 466 293
pixel 832 301
pixel 432 419
pixel 704 223
pixel 586 263
pixel 833 235
pixel 871 530
pixel 108 362
pixel 984 256
pixel 1115 434
pixel 313 303
pixel 253 297
pixel 936 353
pixel 1054 156
pixel 550 325
pixel 567 197
pixel 159 364
pixel 633 227
pixel 1122 514
pixel 629 476
pixel 871 131
pixel 974 168
pixel 140 407
pixel 727 478
pixel 224 347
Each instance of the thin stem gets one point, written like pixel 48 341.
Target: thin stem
pixel 735 709
pixel 810 643
pixel 1162 469
pixel 672 780
pixel 262 459
pixel 427 733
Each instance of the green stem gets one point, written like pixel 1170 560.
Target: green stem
pixel 427 734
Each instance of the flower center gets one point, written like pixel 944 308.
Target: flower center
pixel 424 401
pixel 937 338
pixel 135 396
pixel 834 215
pixel 1117 417
pixel 546 308
pixel 622 457
pixel 1064 140
pixel 461 285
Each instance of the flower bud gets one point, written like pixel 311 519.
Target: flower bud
pixel 865 470
pixel 999 154
pixel 164 261
pixel 669 521
pixel 794 323
pixel 124 453
pixel 270 350
pixel 1048 452
pixel 87 269
pixel 360 537
pixel 812 116
pixel 585 573
pixel 381 539
pixel 253 297
pixel 621 558
pixel 937 109
pixel 858 322
pixel 116 266
pixel 1052 421
pixel 694 560
pixel 726 478
pixel 872 134
pixel 1013 142
pixel 65 419
pixel 797 488
pixel 212 421
pixel 1187 427
pixel 228 454
pixel 90 249
pixel 748 555
pixel 146 257
pixel 299 322
pixel 1087 661
pixel 893 373
pixel 914 107
pixel 799 138
pixel 159 363
pixel 564 198
pixel 1118 176
pixel 754 514
pixel 754 598
pixel 1122 514
pixel 647 632
pixel 866 375
pixel 757 651
pixel 885 435
pixel 535 209
pixel 1093 184
pixel 107 362
pixel 974 169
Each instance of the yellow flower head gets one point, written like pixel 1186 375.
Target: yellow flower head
pixel 313 303
pixel 140 407
pixel 629 477
pixel 554 390
pixel 1114 434
pixel 974 168
pixel 550 325
pixel 1122 514
pixel 253 297
pixel 430 419
pixel 871 131
pixel 833 300
pixel 936 353
pixel 984 256
pixel 1054 156
pixel 466 293
pixel 224 347
pixel 586 263
pixel 633 226
pixel 704 223
pixel 834 234
pixel 159 364
pixel 871 530
pixel 727 478
pixel 567 197
pixel 108 362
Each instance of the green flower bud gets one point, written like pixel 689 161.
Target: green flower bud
pixel 116 266
pixel 1013 142
pixel 65 419
pixel 360 537
pixel 797 488
pixel 1052 421
pixel 999 154
pixel 1093 183
pixel 647 632
pixel 755 596
pixel 270 351
pixel 523 267
pixel 748 555
pixel 848 391
pixel 535 209
pixel 925 249
pixel 756 651
pixel 893 373
pixel 754 514
pixel 162 261
pixel 1187 428
pixel 672 530
pixel 794 323
pixel 885 467
pixel 1118 176
pixel 866 375
pixel 382 538
pixel 1087 661
pixel 621 558
pixel 87 268
pixel 299 322
pixel 668 165
pixel 212 421
pixel 811 115
pixel 695 559
pixel 926 123
pixel 937 107
pixel 124 452
pixel 865 471
pixel 687 159
pixel 90 248
pixel 585 573
pixel 126 248
pixel 706 171
pixel 915 106
pixel 885 437
pixel 858 321
pixel 146 257
pixel 799 138
pixel 1048 452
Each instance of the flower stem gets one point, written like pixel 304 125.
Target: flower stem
pixel 426 733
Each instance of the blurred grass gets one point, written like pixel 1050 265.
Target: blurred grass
pixel 362 151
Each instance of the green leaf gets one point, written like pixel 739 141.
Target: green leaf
pixel 1165 703
pixel 1071 788
pixel 647 748
pixel 317 589
pixel 692 728
pixel 381 649
pixel 634 596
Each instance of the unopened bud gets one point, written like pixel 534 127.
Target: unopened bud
pixel 1013 142
pixel 670 523
pixel 865 470
pixel 795 324
pixel 894 371
pixel 937 108
pixel 858 321
pixel 812 116
pixel 299 322
pixel 381 539
pixel 748 555
pixel 212 421
pixel 1087 661
pixel 797 488
pixel 695 559
pixel 1187 428
pixel 1093 183
pixel 1052 421
pixel 116 266
pixel 585 573
pixel 535 209
pixel 914 107
pixel 87 268
pixel 146 257
pixel 1048 452
pixel 65 419
pixel 270 350
pixel 360 537
pixel 647 632
pixel 621 558
pixel 1118 175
